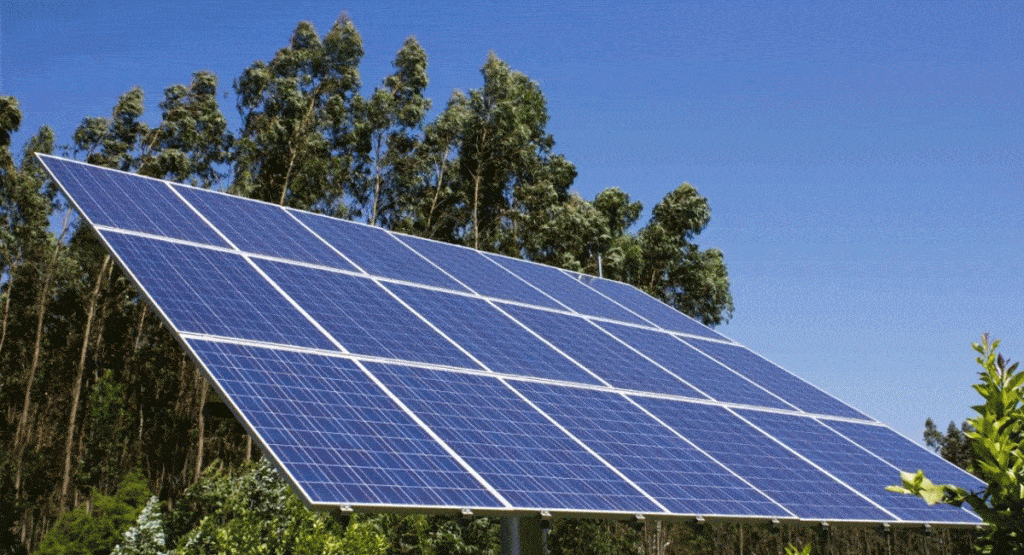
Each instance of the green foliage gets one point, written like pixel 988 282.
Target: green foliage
pixel 257 512
pixel 954 445
pixel 298 143
pixel 146 537
pixel 96 528
pixel 794 550
pixel 998 441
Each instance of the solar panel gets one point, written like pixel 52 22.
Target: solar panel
pixel 848 462
pixel 338 434
pixel 648 307
pixel 261 228
pixel 382 371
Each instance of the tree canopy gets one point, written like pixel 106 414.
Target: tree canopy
pixel 95 389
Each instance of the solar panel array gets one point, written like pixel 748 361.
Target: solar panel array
pixel 384 371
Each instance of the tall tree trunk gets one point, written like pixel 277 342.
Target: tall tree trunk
pixel 437 194
pixel 76 391
pixel 376 180
pixel 7 303
pixel 20 434
pixel 202 424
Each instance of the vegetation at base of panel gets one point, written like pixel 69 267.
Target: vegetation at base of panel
pixel 996 435
pixel 101 408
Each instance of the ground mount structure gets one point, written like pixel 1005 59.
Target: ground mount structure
pixel 386 372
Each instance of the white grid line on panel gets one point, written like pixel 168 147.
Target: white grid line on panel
pixel 873 454
pixel 260 271
pixel 523 378
pixel 585 447
pixel 810 462
pixel 444 445
pixel 734 372
pixel 703 452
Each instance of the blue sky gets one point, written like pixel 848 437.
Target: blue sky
pixel 863 160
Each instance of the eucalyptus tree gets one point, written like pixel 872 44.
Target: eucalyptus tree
pixel 387 131
pixel 505 149
pixel 191 144
pixel 298 142
pixel 434 197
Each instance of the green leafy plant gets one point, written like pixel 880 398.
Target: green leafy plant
pixel 794 550
pixel 998 441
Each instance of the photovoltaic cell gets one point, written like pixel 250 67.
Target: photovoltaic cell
pixel 698 370
pixel 362 316
pixel 345 439
pixel 336 432
pixel 675 473
pixel 795 484
pixel 262 228
pixel 531 462
pixel 566 290
pixel 601 353
pixel 851 464
pixel 780 382
pixel 905 454
pixel 647 306
pixel 478 272
pixel 213 292
pixel 490 336
pixel 129 202
pixel 376 251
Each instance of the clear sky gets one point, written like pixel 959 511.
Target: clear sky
pixel 863 160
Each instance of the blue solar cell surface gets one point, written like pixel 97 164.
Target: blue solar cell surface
pixel 525 457
pixel 780 382
pixel 612 361
pixel 213 292
pixel 566 290
pixel 129 202
pixel 698 370
pixel 362 316
pixel 905 454
pixel 262 228
pixel 795 484
pixel 490 336
pixel 657 312
pixel 478 272
pixel 336 432
pixel 671 470
pixel 376 251
pixel 866 473
pixel 344 440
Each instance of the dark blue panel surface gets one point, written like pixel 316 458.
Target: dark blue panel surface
pixel 601 353
pixel 675 473
pixel 523 455
pixel 853 465
pixel 262 228
pixel 780 382
pixel 768 466
pixel 213 292
pixel 376 251
pixel 132 202
pixel 566 290
pixel 697 369
pixel 336 432
pixel 364 318
pixel 905 454
pixel 478 272
pixel 499 343
pixel 661 314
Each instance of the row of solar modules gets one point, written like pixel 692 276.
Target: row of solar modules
pixel 385 425
pixel 213 292
pixel 382 435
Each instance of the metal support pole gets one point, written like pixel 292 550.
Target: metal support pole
pixel 521 535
